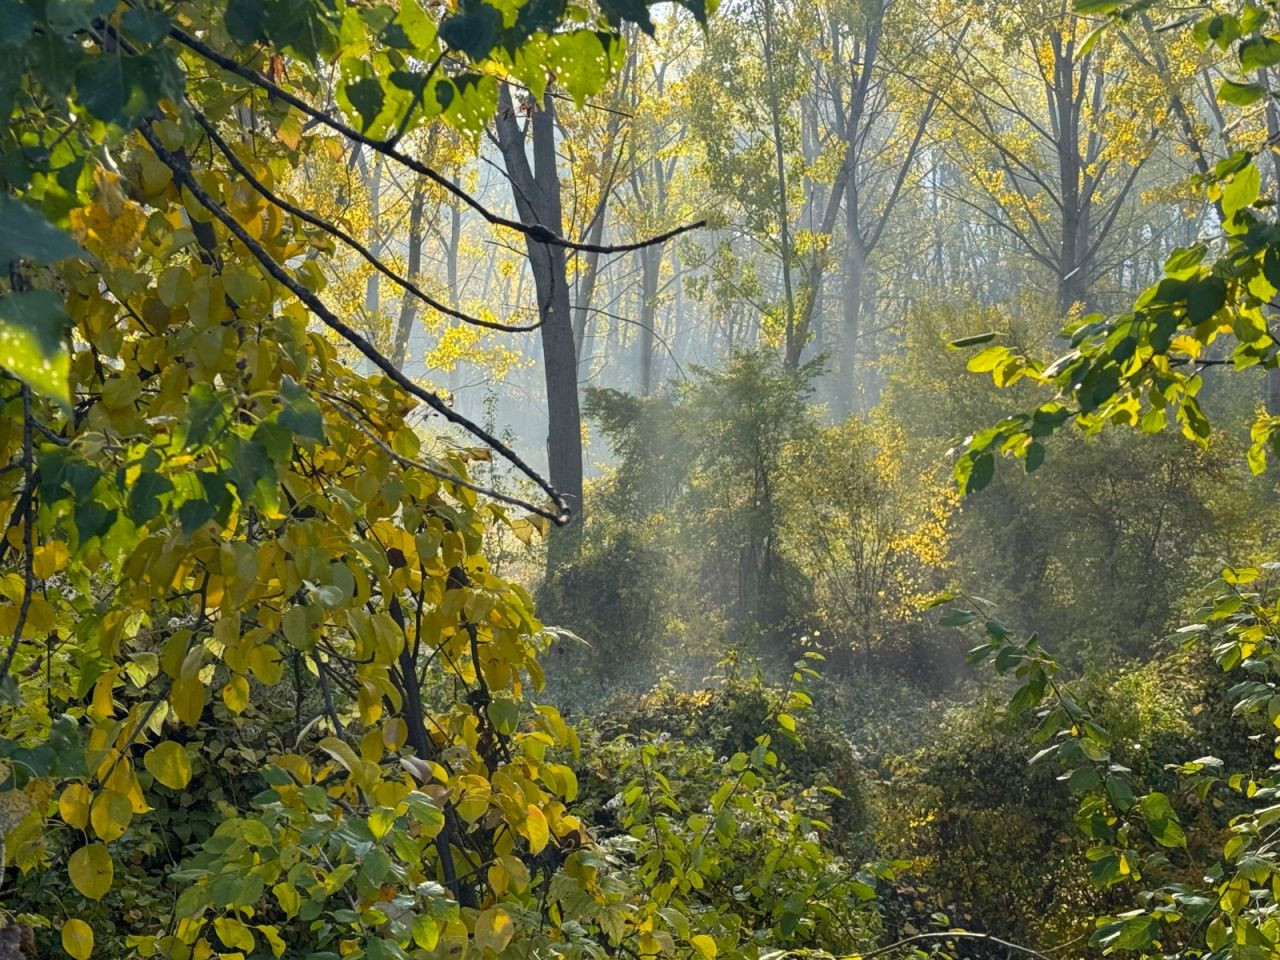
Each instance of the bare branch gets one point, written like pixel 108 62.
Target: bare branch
pixel 183 178
pixel 536 231
pixel 374 260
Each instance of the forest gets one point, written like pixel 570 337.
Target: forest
pixel 633 480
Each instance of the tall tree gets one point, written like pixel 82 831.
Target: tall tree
pixel 535 188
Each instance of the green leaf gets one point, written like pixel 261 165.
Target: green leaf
pixel 473 30
pixel 244 21
pixel 1256 53
pixel 1242 191
pixel 974 471
pixel 1241 94
pixel 16 21
pixel 119 89
pixel 972 341
pixel 27 234
pixel 1097 8
pixel 300 413
pixel 144 496
pixel 366 97
pixel 1035 456
pixel 33 344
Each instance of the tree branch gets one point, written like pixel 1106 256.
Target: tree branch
pixel 536 231
pixel 182 177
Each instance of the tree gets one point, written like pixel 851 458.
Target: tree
pixel 1147 369
pixel 230 556
pixel 536 190
pixel 1056 135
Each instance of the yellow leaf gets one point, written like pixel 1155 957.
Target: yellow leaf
pixel 266 663
pixel 273 938
pixel 48 559
pixel 536 830
pixel 77 939
pixel 110 815
pixel 186 696
pixel 494 929
pixel 91 870
pixel 236 694
pixel 233 933
pixel 288 897
pixel 381 820
pixel 169 764
pixel 515 870
pixel 705 946
pixel 369 702
pixel 73 805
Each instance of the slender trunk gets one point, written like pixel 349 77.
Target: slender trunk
pixel 536 190
pixel 794 337
pixel 587 284
pixel 855 268
pixel 409 303
pixel 372 289
pixel 650 262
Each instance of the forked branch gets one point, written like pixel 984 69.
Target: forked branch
pixel 182 177
pixel 536 231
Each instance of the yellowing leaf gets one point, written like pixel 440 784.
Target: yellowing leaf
pixel 370 703
pixel 234 933
pixel 273 938
pixel 168 763
pixel 704 945
pixel 426 932
pixel 77 939
pixel 494 929
pixel 288 897
pixel 381 820
pixel 536 830
pixel 73 805
pixel 236 693
pixel 266 663
pixel 49 558
pixel 186 696
pixel 91 870
pixel 110 815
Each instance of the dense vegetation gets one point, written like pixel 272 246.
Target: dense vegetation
pixel 897 577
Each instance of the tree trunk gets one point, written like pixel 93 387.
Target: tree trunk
pixel 536 190
pixel 650 262
pixel 409 303
pixel 855 269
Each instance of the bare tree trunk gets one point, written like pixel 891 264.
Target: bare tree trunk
pixel 650 262
pixel 536 190
pixel 795 338
pixel 409 303
pixel 855 268
pixel 371 288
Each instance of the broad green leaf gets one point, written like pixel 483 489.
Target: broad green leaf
pixel 1240 94
pixel 25 233
pixel 1257 53
pixel 33 345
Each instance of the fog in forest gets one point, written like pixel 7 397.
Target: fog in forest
pixel 639 480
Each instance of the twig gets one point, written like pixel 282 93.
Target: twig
pixel 536 231
pixel 341 404
pixel 182 177
pixel 350 241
